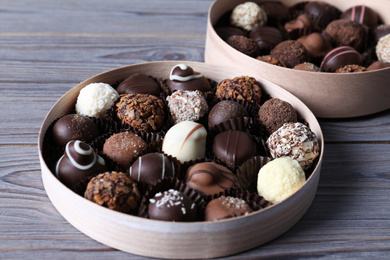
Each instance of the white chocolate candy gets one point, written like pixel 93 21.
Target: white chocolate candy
pixel 248 15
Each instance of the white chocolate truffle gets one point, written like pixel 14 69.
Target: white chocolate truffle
pixel 279 179
pixel 95 99
pixel 383 49
pixel 294 140
pixel 248 15
pixel 185 141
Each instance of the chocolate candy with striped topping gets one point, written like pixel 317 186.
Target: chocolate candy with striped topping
pixel 78 164
pixel 361 14
pixel 152 167
pixel 340 57
pixel 183 77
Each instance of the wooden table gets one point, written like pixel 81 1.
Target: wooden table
pixel 47 47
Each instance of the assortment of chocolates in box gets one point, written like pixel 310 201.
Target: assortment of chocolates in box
pixel 181 148
pixel 311 36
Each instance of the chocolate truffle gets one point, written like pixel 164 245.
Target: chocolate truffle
pixel 361 14
pixel 315 44
pixel 322 13
pixel 172 205
pixel 226 31
pixel 152 167
pixel 277 12
pixel 383 49
pixel 186 105
pixel 307 66
pixel 266 37
pixel 301 22
pixel 248 15
pixel 294 140
pixel 186 141
pixel 271 60
pixel 242 88
pixel 234 147
pixel 344 32
pixel 74 127
pixel 378 65
pixel 290 52
pixel 226 207
pixel 95 99
pixel 225 110
pixel 279 179
pixel 113 190
pixel 339 57
pixel 139 84
pixel 124 147
pixel 210 178
pixel 380 31
pixel 78 164
pixel 244 44
pixel 274 113
pixel 183 77
pixel 351 68
pixel 143 112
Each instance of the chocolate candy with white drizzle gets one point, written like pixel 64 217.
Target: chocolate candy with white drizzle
pixel 183 77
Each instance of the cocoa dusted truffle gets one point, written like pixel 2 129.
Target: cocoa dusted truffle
pixel 383 49
pixel 291 53
pixel 271 60
pixel 242 88
pixel 276 112
pixel 361 14
pixel 307 66
pixel 123 147
pixel 351 69
pixel 248 15
pixel 186 105
pixel 339 57
pixel 143 112
pixel 316 45
pixel 172 205
pixel 210 178
pixel 139 84
pixel 113 190
pixel 74 127
pixel 225 110
pixel 267 38
pixel 322 13
pixel 244 44
pixel 183 77
pixel 226 207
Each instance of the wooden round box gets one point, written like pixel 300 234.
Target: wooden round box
pixel 171 240
pixel 328 95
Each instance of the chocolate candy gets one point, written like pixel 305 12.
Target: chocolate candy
pixel 271 60
pixel 276 12
pixel 307 66
pixel 225 110
pixel 242 88
pixel 248 15
pixel 139 84
pixel 301 22
pixel 234 147
pixel 361 14
pixel 291 53
pixel 186 141
pixel 351 69
pixel 381 30
pixel 183 77
pixel 315 44
pixel 226 207
pixel 382 49
pixel 152 167
pixel 378 65
pixel 78 164
pixel 172 205
pixel 226 31
pixel 244 44
pixel 339 57
pixel 322 13
pixel 74 127
pixel 210 178
pixel 266 37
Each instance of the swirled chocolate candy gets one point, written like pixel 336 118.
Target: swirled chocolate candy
pixel 225 110
pixel 172 205
pixel 210 178
pixel 152 167
pixel 226 207
pixel 139 84
pixel 234 147
pixel 339 57
pixel 183 77
pixel 267 38
pixel 361 14
pixel 315 44
pixel 322 13
pixel 78 164
pixel 74 127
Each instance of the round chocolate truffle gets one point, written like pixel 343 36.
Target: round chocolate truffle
pixel 322 13
pixel 113 190
pixel 183 77
pixel 124 147
pixel 315 44
pixel 277 12
pixel 307 66
pixel 344 32
pixel 294 140
pixel 381 30
pixel 226 207
pixel 339 57
pixel 234 147
pixel 225 110
pixel 210 178
pixel 152 167
pixel 266 37
pixel 139 84
pixel 172 205
pixel 226 31
pixel 291 53
pixel 78 165
pixel 274 113
pixel 351 69
pixel 242 88
pixel 248 15
pixel 186 105
pixel 361 14
pixel 378 65
pixel 383 49
pixel 244 44
pixel 143 112
pixel 74 127
pixel 271 60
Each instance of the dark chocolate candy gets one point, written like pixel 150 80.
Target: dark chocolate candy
pixel 234 147
pixel 277 12
pixel 225 110
pixel 226 207
pixel 339 57
pixel 74 127
pixel 322 13
pixel 210 178
pixel 266 37
pixel 226 31
pixel 381 30
pixel 291 53
pixel 301 22
pixel 244 44
pixel 183 77
pixel 361 14
pixel 139 84
pixel 315 44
